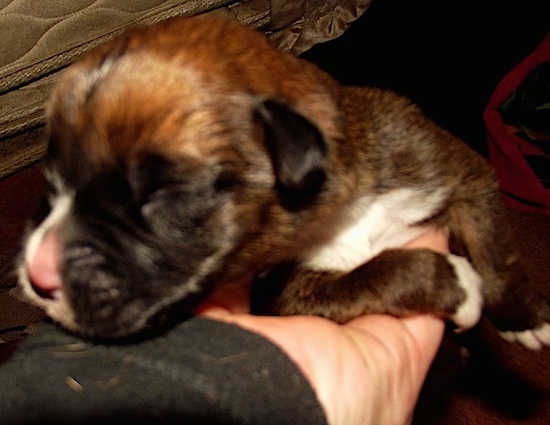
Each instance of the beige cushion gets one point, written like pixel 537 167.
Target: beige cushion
pixel 40 38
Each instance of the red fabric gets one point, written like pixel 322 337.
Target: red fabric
pixel 521 189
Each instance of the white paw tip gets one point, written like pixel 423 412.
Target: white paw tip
pixel 467 315
pixel 534 339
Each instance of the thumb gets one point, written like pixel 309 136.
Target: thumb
pixel 419 337
pixel 398 354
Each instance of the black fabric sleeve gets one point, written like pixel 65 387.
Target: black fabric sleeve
pixel 200 372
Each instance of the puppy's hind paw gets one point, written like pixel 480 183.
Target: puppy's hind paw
pixel 468 313
pixel 534 339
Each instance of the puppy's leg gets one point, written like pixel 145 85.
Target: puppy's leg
pixel 518 311
pixel 398 281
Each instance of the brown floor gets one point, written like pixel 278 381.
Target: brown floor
pixel 496 383
pixel 19 197
pixel 500 383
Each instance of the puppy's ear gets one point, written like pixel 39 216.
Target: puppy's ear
pixel 297 149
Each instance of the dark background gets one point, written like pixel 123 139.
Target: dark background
pixel 447 55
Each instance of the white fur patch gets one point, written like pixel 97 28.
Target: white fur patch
pixel 61 206
pixel 373 224
pixel 468 314
pixel 534 339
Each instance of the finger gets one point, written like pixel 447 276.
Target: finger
pixel 433 238
pixel 427 331
pixel 229 298
pixel 419 337
pixel 399 353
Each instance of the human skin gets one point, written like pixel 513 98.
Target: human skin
pixel 367 371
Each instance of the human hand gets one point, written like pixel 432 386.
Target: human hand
pixel 367 371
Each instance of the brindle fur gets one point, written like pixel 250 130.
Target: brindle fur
pixel 194 139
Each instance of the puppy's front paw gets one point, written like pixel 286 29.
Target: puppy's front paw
pixel 534 339
pixel 468 313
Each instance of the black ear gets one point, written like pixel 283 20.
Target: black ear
pixel 298 151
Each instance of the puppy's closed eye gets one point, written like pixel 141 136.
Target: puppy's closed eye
pixel 172 196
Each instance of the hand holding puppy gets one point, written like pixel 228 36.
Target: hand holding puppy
pixel 368 371
pixel 181 161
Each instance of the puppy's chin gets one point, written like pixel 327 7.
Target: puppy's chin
pixel 96 295
pixel 55 306
pixel 126 326
pixel 144 326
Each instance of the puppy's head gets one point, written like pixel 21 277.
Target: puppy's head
pixel 181 156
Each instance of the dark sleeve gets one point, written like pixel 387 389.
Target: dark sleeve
pixel 200 372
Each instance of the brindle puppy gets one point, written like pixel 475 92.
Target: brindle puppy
pixel 191 154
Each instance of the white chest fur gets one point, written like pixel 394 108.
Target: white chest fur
pixel 373 224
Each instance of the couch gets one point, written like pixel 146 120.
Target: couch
pixel 39 39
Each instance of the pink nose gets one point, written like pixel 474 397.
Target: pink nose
pixel 43 267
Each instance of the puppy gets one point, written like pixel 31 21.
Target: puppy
pixel 191 154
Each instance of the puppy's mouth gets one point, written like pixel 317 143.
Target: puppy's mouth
pixel 109 319
pixel 85 293
pixel 91 305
